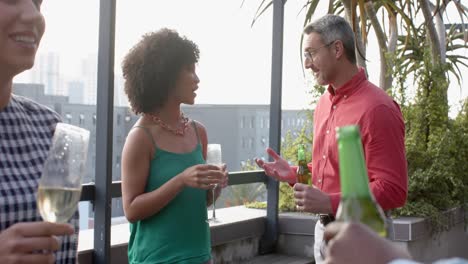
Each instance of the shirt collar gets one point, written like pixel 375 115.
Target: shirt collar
pixel 350 86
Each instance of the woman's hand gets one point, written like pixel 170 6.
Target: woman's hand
pixel 218 188
pixel 203 176
pixel 225 180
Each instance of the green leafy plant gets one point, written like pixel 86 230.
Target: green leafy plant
pixel 245 194
pixel 289 148
pixel 436 148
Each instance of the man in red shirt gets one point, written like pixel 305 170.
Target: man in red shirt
pixel 350 99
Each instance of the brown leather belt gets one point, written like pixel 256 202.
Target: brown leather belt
pixel 325 219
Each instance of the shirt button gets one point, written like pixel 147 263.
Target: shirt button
pixel 334 107
pixel 328 131
pixel 345 96
pixel 320 180
pixel 324 157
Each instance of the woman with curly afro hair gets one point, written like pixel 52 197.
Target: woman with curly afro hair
pixel 165 181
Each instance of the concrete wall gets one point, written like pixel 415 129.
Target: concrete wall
pixel 414 234
pixel 238 251
pixel 296 234
pixel 236 238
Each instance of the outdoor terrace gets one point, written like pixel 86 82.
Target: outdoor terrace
pixel 244 235
pixel 240 234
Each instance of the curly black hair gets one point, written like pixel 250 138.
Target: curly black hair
pixel 152 66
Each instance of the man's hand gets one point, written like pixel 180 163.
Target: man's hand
pixel 32 242
pixel 356 243
pixel 278 169
pixel 312 200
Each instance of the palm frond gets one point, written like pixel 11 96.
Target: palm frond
pixel 363 18
pixel 242 4
pixel 260 10
pixel 338 8
pixel 456 73
pixel 330 7
pixel 462 12
pixel 312 7
pixel 353 14
pixel 391 7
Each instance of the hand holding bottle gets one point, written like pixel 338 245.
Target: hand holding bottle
pixel 356 243
pixel 303 173
pixel 357 202
pixel 310 199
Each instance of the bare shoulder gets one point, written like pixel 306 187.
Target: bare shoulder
pixel 139 141
pixel 200 126
pixel 201 131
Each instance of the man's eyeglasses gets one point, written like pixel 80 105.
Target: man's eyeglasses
pixel 311 53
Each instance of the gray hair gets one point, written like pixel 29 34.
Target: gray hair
pixel 331 28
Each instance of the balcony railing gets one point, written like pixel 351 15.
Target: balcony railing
pixel 89 194
pixel 102 192
pixel 235 178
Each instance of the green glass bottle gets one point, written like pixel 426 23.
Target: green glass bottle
pixel 357 202
pixel 303 173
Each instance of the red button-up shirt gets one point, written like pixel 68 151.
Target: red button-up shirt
pixel 359 102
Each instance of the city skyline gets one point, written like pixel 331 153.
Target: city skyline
pixel 243 131
pixel 235 61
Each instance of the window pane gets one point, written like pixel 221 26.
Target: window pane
pixel 241 194
pixel 86 215
pixel 234 70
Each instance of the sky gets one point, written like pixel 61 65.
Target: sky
pixel 235 58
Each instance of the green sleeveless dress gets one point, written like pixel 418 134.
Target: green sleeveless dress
pixel 179 232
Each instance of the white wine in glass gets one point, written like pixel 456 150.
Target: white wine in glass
pixel 60 184
pixel 57 204
pixel 213 156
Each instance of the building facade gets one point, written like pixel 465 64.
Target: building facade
pixel 242 130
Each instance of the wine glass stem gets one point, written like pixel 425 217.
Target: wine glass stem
pixel 214 203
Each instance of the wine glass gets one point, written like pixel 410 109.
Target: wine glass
pixel 213 156
pixel 60 184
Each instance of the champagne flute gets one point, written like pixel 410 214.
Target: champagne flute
pixel 213 156
pixel 60 184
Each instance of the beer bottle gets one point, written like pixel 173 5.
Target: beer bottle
pixel 303 173
pixel 357 202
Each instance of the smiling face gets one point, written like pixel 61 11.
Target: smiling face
pixel 320 58
pixel 186 85
pixel 21 28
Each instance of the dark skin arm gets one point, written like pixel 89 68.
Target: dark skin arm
pixel 136 159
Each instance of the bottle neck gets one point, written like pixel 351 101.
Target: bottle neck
pixel 301 154
pixel 353 173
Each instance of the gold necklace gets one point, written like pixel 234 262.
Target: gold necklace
pixel 176 131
